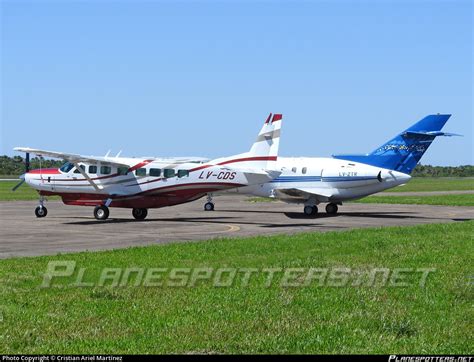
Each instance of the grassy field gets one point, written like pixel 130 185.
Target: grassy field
pixel 24 193
pixel 445 200
pixel 420 184
pixel 435 319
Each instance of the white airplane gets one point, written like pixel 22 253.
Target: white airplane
pixel 311 181
pixel 143 183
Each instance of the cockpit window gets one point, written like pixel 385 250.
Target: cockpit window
pixel 68 166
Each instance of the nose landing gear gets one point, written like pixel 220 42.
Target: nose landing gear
pixel 209 205
pixel 41 210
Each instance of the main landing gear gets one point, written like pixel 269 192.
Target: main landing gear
pixel 41 210
pixel 101 212
pixel 140 214
pixel 312 210
pixel 331 209
pixel 209 205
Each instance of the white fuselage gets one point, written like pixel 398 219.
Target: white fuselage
pixel 325 180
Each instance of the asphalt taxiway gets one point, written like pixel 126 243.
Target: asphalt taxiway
pixel 73 229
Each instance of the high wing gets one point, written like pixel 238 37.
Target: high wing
pixel 71 157
pixel 75 158
pixel 322 195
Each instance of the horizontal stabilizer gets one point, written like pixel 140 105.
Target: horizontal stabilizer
pixel 432 133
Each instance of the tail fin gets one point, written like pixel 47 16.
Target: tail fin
pixel 268 140
pixel 263 151
pixel 403 152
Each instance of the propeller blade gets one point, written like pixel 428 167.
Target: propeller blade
pixel 18 185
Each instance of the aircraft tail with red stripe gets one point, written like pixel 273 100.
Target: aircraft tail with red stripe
pixel 264 152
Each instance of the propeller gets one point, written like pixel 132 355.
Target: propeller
pixel 22 177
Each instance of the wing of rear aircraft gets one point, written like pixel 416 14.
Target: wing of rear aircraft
pixel 306 193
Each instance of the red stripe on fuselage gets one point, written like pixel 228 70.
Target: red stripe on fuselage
pixel 140 165
pixel 45 171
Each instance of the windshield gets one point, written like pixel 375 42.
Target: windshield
pixel 66 167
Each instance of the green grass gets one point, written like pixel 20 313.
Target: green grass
pixel 436 319
pixel 261 199
pixel 420 184
pixel 23 193
pixel 444 200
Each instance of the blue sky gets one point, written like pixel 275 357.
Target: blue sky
pixel 181 78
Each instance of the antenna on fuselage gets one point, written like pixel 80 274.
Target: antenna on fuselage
pixel 107 154
pixel 118 154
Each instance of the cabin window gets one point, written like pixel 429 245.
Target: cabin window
pixel 105 170
pixel 183 173
pixel 68 166
pixel 93 169
pixel 122 170
pixel 155 172
pixel 81 166
pixel 140 172
pixel 169 172
pixel 294 169
pixel 304 170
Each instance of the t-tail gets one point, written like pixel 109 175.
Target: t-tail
pixel 403 152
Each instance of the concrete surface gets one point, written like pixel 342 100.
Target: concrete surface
pixel 72 229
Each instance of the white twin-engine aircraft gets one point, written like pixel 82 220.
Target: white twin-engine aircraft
pixel 144 183
pixel 311 181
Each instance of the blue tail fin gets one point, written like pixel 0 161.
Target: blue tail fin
pixel 403 152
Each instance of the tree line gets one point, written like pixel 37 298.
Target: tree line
pixel 15 166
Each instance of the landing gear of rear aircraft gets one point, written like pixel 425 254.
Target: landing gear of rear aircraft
pixel 101 212
pixel 209 206
pixel 140 214
pixel 331 209
pixel 41 210
pixel 310 210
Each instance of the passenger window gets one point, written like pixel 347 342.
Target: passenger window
pixel 122 170
pixel 140 172
pixel 294 169
pixel 93 169
pixel 183 173
pixel 155 172
pixel 81 166
pixel 304 170
pixel 105 170
pixel 169 172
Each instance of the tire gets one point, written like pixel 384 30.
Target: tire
pixel 41 211
pixel 310 210
pixel 209 206
pixel 331 209
pixel 101 212
pixel 140 214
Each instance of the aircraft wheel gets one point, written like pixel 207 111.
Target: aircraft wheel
pixel 101 212
pixel 209 206
pixel 331 209
pixel 140 214
pixel 310 210
pixel 41 211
